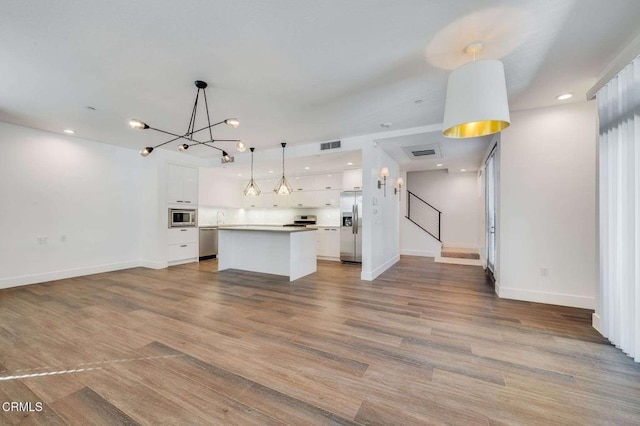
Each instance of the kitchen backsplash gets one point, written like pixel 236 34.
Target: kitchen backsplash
pixel 207 216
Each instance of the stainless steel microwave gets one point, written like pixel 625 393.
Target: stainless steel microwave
pixel 181 218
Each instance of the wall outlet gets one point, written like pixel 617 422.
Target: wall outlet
pixel 544 272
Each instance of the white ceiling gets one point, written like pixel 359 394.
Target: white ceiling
pixel 454 155
pixel 309 165
pixel 301 71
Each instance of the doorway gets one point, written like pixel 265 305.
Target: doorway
pixel 491 183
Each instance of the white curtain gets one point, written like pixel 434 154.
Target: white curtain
pixel 619 180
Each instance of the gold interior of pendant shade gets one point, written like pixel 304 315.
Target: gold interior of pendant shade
pixel 475 129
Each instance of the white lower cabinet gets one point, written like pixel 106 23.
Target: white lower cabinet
pixel 328 240
pixel 181 252
pixel 183 244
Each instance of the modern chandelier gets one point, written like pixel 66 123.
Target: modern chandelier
pixel 283 187
pixel 191 130
pixel 476 102
pixel 252 188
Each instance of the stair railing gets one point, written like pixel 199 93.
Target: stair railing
pixel 424 215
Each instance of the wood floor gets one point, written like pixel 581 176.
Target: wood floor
pixel 425 343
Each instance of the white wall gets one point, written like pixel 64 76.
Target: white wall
pixel 456 195
pixel 380 224
pixel 548 206
pixel 54 186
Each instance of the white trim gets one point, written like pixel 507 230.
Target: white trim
pixel 370 276
pixel 68 273
pixel 183 261
pixel 421 253
pixel 595 322
pixel 332 259
pixel 546 297
pixel 630 52
pixel 153 265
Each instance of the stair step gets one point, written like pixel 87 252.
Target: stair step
pixel 459 254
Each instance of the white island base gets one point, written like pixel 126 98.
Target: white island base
pixel 287 251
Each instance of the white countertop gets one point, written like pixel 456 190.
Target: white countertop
pixel 287 229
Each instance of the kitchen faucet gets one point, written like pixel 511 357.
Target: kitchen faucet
pixel 220 212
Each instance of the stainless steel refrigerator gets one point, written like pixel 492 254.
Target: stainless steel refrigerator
pixel 351 226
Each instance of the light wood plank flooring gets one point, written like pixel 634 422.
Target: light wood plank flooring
pixel 426 343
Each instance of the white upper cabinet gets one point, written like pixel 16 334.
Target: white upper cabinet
pixel 327 198
pixel 302 183
pixel 182 185
pixel 190 185
pixel 328 181
pixel 271 199
pixel 352 179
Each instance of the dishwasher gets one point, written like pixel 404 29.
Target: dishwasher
pixel 208 242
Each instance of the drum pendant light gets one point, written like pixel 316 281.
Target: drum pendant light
pixel 476 102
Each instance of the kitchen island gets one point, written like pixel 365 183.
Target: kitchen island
pixel 278 250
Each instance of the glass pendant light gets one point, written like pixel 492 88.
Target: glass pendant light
pixel 283 187
pixel 252 189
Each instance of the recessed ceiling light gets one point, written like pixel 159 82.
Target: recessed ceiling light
pixel 564 96
pixel 349 164
pixel 239 174
pixel 307 168
pixel 386 125
pixel 69 131
pixel 270 171
pixel 439 164
pixel 328 175
pixel 463 170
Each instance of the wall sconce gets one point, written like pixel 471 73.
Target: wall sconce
pixel 398 190
pixel 384 172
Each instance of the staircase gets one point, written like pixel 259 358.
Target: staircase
pixel 424 215
pixel 459 256
pixel 429 219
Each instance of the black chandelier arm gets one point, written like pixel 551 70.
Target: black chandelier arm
pixel 206 105
pixel 210 146
pixel 192 120
pixel 186 135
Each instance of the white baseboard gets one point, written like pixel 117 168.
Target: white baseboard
pixel 370 276
pixel 68 273
pixel 546 297
pixel 153 265
pixel 333 259
pixel 183 261
pixel 421 253
pixel 595 322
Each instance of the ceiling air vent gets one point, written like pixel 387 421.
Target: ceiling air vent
pixel 423 152
pixel 330 145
